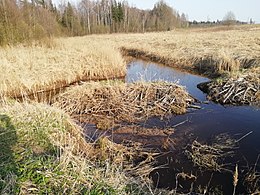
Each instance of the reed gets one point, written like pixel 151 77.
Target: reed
pixel 30 69
pixel 208 52
pixel 26 70
pixel 235 179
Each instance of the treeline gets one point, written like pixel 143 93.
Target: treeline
pixel 195 23
pixel 229 19
pixel 108 16
pixel 22 20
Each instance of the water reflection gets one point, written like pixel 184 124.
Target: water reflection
pixel 140 70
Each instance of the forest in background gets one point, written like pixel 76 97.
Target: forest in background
pixel 25 20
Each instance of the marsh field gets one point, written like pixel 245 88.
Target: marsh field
pixel 152 113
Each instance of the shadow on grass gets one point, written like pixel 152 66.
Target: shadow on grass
pixel 8 167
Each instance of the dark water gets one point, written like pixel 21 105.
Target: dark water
pixel 203 125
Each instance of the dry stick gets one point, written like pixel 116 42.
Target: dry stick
pixel 244 136
pixel 195 107
pixel 181 123
pixel 240 92
pixel 256 162
pixel 207 187
pixel 230 93
pixel 246 93
pixel 225 90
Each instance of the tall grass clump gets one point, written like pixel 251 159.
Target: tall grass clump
pixel 43 152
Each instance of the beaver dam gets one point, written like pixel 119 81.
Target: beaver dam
pixel 196 152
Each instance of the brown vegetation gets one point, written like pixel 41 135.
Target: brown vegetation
pixel 208 52
pixel 252 178
pixel 29 70
pixel 124 102
pixel 210 157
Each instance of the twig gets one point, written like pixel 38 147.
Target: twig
pixel 256 162
pixel 181 123
pixel 195 107
pixel 244 136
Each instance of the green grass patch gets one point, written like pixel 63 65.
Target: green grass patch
pixel 43 152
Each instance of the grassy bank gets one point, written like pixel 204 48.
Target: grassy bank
pixel 210 51
pixel 46 153
pixel 28 70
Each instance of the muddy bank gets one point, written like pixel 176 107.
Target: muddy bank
pixel 152 138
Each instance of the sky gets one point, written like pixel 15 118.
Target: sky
pixel 210 9
pixel 203 10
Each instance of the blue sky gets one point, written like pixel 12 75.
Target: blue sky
pixel 210 9
pixel 207 9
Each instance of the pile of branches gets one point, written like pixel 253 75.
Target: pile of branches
pixel 125 102
pixel 236 91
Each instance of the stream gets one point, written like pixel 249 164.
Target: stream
pixel 201 125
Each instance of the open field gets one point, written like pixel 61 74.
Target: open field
pixel 203 51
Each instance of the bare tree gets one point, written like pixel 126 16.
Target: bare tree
pixel 229 18
pixel 87 5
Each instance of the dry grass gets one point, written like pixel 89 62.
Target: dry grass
pixel 46 153
pixel 27 70
pixel 45 135
pixel 252 178
pixel 207 50
pixel 124 102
